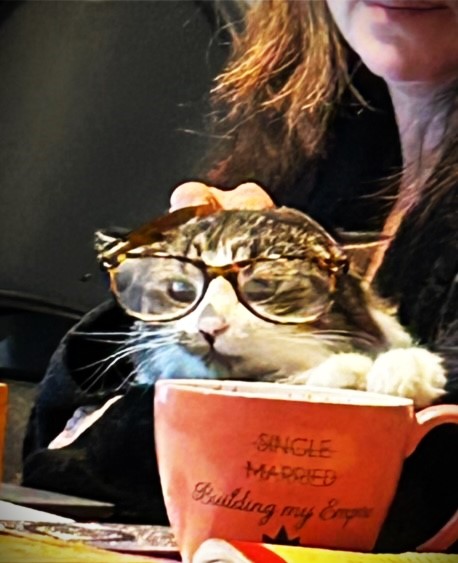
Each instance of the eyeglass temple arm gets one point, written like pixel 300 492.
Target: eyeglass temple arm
pixel 150 233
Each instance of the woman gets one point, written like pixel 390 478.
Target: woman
pixel 291 93
pixel 300 111
pixel 413 46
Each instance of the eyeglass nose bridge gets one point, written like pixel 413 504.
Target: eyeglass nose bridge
pixel 228 271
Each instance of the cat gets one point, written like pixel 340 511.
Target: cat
pixel 259 295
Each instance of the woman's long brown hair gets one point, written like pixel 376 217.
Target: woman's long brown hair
pixel 276 96
pixel 275 99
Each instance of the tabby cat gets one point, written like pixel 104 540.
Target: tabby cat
pixel 259 295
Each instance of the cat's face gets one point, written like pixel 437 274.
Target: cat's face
pixel 237 294
pixel 222 338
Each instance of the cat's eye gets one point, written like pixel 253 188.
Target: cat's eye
pixel 182 291
pixel 259 289
pixel 156 288
pixel 287 291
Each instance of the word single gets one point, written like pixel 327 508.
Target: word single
pixel 299 447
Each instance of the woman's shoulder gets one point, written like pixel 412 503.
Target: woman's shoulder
pixel 421 267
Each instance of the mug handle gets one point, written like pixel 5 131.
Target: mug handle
pixel 426 420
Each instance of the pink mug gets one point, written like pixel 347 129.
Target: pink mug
pixel 266 462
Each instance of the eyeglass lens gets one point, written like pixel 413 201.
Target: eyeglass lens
pixel 156 287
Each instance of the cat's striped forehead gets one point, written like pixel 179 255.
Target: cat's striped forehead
pixel 235 235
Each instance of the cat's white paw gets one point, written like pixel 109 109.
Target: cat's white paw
pixel 414 373
pixel 342 371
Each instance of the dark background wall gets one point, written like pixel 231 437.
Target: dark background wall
pixel 96 101
pixel 102 112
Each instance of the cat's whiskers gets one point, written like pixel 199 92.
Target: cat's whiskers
pixel 125 381
pixel 133 341
pixel 110 362
pixel 151 344
pixel 155 340
pixel 298 338
pixel 111 356
pixel 348 337
pixel 104 336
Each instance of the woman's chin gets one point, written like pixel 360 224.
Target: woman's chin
pixel 396 66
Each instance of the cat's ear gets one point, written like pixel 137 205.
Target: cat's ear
pixel 106 239
pixel 108 242
pixel 360 248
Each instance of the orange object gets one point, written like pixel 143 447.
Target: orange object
pixel 3 413
pixel 222 551
pixel 266 462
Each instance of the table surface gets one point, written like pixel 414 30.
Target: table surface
pixel 56 503
pixel 14 512
pixel 156 544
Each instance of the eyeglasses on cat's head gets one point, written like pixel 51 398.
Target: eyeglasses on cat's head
pixel 158 288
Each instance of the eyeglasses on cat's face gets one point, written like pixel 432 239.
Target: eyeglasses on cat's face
pixel 166 288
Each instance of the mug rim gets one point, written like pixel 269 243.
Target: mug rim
pixel 294 393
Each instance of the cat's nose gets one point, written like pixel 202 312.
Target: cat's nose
pixel 211 328
pixel 211 325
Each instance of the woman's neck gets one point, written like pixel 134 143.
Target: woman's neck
pixel 422 115
pixel 422 111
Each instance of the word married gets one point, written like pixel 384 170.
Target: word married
pixel 315 477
